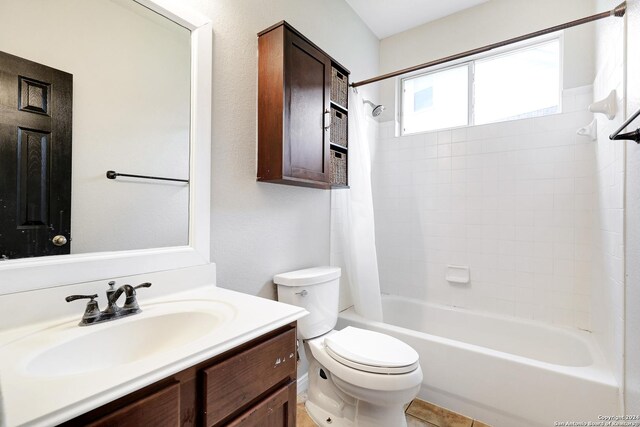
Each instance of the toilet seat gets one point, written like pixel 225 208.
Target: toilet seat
pixel 360 378
pixel 371 352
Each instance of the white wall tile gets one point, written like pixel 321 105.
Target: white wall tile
pixel 459 135
pixel 516 201
pixel 444 137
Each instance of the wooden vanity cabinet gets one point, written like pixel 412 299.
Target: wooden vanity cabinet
pixel 295 109
pixel 251 385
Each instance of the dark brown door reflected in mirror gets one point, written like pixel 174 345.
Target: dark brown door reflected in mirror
pixel 35 159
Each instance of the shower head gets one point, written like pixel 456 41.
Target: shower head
pixel 376 109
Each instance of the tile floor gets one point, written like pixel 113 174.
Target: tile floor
pixel 419 414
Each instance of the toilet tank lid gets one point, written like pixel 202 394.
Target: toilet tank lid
pixel 308 276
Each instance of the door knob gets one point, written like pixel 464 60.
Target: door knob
pixel 59 240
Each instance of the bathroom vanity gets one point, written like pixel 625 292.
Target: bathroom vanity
pixel 252 384
pixel 199 356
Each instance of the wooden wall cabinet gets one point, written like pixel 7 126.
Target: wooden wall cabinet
pixel 252 385
pixel 301 120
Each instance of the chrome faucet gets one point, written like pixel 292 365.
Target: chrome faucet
pixel 92 313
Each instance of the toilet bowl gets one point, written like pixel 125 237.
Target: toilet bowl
pixel 356 377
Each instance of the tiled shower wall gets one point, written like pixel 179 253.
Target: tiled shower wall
pixel 608 266
pixel 631 325
pixel 514 201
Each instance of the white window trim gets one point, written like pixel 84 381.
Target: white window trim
pixel 470 61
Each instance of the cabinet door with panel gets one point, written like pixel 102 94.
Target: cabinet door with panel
pixel 277 410
pixel 307 85
pixel 160 409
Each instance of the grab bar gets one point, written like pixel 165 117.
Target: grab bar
pixel 630 136
pixel 114 175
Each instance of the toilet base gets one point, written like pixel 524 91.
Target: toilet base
pixel 325 418
pixel 330 406
pixel 335 402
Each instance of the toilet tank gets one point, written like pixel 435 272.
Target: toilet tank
pixel 316 290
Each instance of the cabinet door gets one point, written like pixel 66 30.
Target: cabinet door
pixel 277 410
pixel 160 409
pixel 307 110
pixel 242 379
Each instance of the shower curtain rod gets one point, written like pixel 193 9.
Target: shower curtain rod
pixel 618 11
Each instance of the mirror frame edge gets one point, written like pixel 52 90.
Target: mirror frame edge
pixel 28 274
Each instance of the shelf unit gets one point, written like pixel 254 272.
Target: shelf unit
pixel 302 112
pixel 339 134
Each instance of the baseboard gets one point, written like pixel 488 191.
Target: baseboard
pixel 303 383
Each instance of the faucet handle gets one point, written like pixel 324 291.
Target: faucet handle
pixel 143 285
pixel 111 285
pixel 91 311
pixel 75 297
pixel 131 304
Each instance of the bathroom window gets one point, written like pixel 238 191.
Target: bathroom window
pixel 514 84
pixel 436 100
pixel 519 84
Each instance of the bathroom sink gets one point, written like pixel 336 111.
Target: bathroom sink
pixel 81 350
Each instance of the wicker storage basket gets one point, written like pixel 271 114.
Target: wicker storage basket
pixel 338 133
pixel 338 168
pixel 339 87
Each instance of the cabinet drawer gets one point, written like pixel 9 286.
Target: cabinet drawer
pixel 276 410
pixel 160 409
pixel 235 382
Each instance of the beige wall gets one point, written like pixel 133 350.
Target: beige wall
pixel 488 23
pixel 261 229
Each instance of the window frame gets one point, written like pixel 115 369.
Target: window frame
pixel 439 69
pixel 470 63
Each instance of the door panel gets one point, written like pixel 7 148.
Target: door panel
pixel 277 410
pixel 33 177
pixel 308 74
pixel 35 158
pixel 307 102
pixel 160 409
pixel 34 96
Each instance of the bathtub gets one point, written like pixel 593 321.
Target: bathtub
pixel 503 371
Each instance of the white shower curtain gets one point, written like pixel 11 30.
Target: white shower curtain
pixel 355 208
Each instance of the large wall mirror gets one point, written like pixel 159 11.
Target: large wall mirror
pixel 92 90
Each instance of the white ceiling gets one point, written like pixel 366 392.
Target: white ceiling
pixel 388 17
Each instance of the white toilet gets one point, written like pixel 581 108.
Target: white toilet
pixel 356 377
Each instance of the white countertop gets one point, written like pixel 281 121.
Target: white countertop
pixel 44 400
